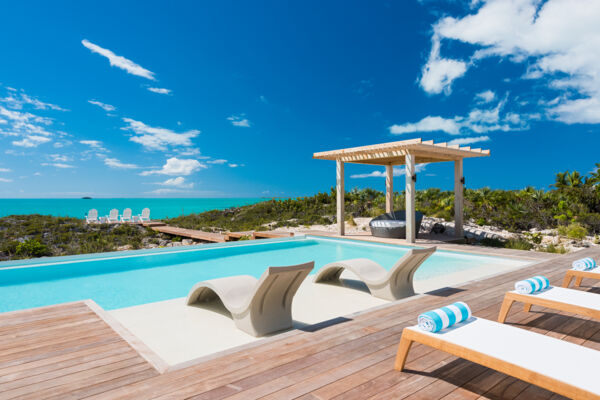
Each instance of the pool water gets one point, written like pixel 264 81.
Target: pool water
pixel 123 279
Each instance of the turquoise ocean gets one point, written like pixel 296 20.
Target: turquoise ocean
pixel 159 208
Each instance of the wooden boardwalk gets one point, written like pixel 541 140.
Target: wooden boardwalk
pixel 348 358
pixel 217 237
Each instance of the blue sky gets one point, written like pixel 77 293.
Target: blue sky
pixel 228 99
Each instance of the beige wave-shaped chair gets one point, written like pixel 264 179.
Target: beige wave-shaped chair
pixel 257 306
pixel 394 284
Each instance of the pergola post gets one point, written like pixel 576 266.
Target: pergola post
pixel 411 233
pixel 340 196
pixel 389 188
pixel 458 198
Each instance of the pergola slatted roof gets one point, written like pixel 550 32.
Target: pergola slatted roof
pixel 393 153
pixel 408 153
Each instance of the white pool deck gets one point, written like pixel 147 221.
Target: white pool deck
pixel 178 333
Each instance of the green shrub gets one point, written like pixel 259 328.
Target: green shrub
pixel 518 244
pixel 552 248
pixel 32 248
pixel 575 231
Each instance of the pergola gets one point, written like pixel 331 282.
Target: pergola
pixel 408 153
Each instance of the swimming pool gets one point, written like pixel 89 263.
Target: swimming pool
pixel 123 279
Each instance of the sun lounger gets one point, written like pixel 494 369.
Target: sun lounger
pixel 126 217
pixel 569 300
pixel 92 216
pixel 559 366
pixel 143 217
pixel 258 306
pixel 579 275
pixel 391 285
pixel 112 217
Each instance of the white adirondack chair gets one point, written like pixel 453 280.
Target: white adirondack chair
pixel 92 216
pixel 143 217
pixel 112 217
pixel 126 217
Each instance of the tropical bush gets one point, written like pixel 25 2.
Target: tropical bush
pixel 26 236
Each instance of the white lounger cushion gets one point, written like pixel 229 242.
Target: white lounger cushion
pixel 545 355
pixel 570 296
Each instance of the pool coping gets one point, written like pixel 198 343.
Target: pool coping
pixel 90 257
pixel 136 343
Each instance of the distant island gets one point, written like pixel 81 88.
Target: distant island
pixel 86 198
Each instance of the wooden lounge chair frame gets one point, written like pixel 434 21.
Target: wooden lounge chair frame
pixel 397 283
pixel 578 275
pixel 528 301
pixel 412 335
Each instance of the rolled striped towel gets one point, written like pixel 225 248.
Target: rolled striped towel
pixel 532 285
pixel 584 264
pixel 442 318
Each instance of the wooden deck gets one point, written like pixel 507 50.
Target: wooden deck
pixel 348 358
pixel 216 237
pixel 65 351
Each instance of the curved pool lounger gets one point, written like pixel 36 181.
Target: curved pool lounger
pixel 257 306
pixel 394 284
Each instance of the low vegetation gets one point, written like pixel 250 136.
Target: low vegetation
pixel 26 236
pixel 572 205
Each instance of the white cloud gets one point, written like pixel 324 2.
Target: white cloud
pixel 31 141
pixel 428 124
pixel 17 100
pixel 477 121
pixel 166 191
pixel 159 90
pixel 235 165
pixel 439 73
pixel 486 96
pixel 469 140
pixel 398 171
pixel 190 151
pixel 95 144
pixel 58 165
pixel 557 40
pixel 104 106
pixel 4 170
pixel 5 180
pixel 59 158
pixel 239 121
pixel 220 161
pixel 177 182
pixel 158 138
pixel 115 163
pixel 175 166
pixel 32 129
pixel 119 61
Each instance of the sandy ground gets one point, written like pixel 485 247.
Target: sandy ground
pixel 178 333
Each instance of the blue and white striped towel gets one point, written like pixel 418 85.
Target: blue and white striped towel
pixel 532 285
pixel 442 318
pixel 584 264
